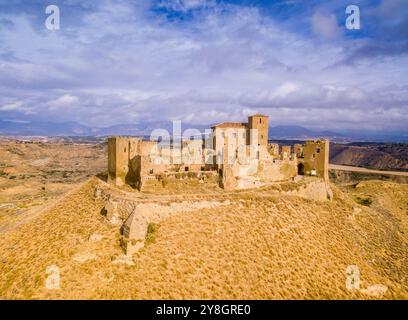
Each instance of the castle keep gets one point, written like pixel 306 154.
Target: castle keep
pixel 237 154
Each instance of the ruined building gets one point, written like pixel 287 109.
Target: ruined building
pixel 237 153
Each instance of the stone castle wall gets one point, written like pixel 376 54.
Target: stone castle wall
pixel 135 162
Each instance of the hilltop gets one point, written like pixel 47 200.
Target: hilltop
pixel 264 245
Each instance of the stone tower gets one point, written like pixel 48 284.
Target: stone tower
pixel 121 150
pixel 316 158
pixel 261 123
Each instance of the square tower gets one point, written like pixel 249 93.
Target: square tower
pixel 120 151
pixel 261 123
pixel 316 158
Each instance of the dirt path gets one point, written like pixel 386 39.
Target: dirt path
pixel 364 170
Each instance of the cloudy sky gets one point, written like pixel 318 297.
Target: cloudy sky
pixel 205 61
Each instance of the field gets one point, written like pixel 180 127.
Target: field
pixel 263 245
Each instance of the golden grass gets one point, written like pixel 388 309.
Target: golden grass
pixel 263 246
pixel 34 175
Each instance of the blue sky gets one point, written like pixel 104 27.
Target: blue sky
pixel 205 61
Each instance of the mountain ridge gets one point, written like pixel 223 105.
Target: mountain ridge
pixel 72 128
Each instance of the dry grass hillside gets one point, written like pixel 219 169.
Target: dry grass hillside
pixel 264 245
pixel 35 174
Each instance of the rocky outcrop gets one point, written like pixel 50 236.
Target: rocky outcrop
pixel 134 230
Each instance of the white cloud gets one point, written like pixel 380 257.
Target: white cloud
pixel 15 106
pixel 66 100
pixel 326 26
pixel 286 89
pixel 120 64
pixel 185 5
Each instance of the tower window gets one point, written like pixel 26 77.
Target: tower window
pixel 260 120
pixel 318 150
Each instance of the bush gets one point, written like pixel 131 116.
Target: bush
pixel 192 175
pixel 151 233
pixel 208 175
pixel 364 201
pixel 164 181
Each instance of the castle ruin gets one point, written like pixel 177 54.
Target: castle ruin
pixel 235 155
pixel 238 154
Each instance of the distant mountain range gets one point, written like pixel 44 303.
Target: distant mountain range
pixel 38 128
pixel 292 132
pixel 300 133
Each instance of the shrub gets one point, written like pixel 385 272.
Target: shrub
pixel 364 201
pixel 209 175
pixel 192 175
pixel 151 233
pixel 164 180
